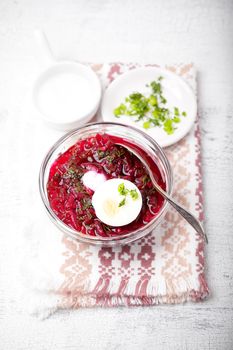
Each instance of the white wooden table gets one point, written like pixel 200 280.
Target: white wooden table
pixel 141 31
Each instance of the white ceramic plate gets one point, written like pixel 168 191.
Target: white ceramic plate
pixel 175 90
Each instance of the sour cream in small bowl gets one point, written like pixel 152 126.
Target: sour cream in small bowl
pixel 66 95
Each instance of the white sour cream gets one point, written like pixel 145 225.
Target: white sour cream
pixel 64 95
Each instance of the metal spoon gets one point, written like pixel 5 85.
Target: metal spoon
pixel 190 218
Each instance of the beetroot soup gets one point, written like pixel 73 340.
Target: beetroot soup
pixel 71 199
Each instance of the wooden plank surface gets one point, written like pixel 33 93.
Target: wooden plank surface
pixel 143 31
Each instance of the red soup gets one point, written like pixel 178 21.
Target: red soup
pixel 71 200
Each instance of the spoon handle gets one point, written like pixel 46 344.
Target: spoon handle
pixel 190 218
pixel 44 54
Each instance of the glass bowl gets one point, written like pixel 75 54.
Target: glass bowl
pixel 129 133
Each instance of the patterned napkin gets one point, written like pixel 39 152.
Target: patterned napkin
pixel 167 266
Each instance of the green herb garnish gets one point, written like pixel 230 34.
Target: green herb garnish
pixel 168 126
pixel 151 110
pixel 120 110
pixel 133 194
pixel 122 202
pixel 124 192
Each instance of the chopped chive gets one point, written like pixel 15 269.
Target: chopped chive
pixel 122 190
pixel 146 125
pixel 176 119
pixel 176 111
pixel 122 202
pixel 134 194
pixel 151 111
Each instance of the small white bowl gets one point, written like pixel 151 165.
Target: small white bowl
pixel 67 94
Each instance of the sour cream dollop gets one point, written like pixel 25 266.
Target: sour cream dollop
pixel 92 179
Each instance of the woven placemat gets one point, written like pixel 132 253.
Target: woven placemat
pixel 166 266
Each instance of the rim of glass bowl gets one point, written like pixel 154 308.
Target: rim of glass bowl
pixel 129 133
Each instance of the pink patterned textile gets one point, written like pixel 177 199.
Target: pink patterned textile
pixel 166 266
